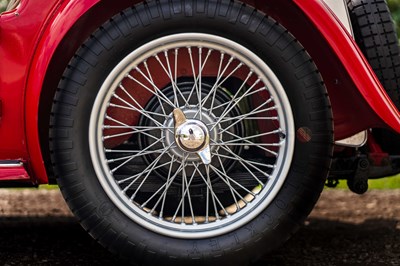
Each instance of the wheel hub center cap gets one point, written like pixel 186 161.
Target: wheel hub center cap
pixel 192 135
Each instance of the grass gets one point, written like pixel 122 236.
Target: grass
pixel 385 183
pixel 48 187
pixel 392 182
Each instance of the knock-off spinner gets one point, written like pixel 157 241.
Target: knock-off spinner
pixel 191 135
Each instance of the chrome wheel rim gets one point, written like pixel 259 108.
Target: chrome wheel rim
pixel 250 137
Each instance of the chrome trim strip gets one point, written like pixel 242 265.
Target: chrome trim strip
pixel 11 164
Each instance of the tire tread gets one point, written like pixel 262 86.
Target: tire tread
pixel 285 217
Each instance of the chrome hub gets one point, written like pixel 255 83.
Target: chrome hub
pixel 191 135
pixel 185 145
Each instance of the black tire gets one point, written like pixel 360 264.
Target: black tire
pixel 375 34
pixel 132 28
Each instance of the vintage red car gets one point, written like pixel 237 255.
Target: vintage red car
pixel 197 131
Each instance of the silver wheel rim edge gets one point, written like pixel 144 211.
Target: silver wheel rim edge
pixel 213 229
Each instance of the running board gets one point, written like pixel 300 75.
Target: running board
pixel 12 170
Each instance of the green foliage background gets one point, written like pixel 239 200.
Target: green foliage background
pixel 3 5
pixel 394 6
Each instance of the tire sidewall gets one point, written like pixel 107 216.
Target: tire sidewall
pixel 301 187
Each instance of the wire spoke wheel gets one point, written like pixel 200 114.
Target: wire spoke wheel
pixel 233 110
pixel 191 133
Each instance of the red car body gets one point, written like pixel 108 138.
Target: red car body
pixel 39 37
pixel 65 111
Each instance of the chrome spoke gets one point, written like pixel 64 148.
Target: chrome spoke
pixel 136 110
pixel 135 177
pixel 126 133
pixel 129 133
pixel 176 65
pixel 226 177
pixel 199 87
pixel 133 128
pixel 228 183
pixel 145 171
pixel 247 94
pixel 271 166
pixel 217 85
pixel 121 151
pixel 185 191
pixel 230 105
pixel 170 75
pixel 150 79
pixel 277 131
pixel 247 169
pixel 214 88
pixel 171 78
pixel 247 142
pixel 136 127
pixel 156 92
pixel 143 113
pixel 113 160
pixel 134 156
pixel 201 67
pixel 255 111
pixel 243 162
pixel 210 191
pixel 195 86
pixel 199 77
pixel 220 75
pixel 250 144
pixel 166 184
pixel 245 117
pixel 150 168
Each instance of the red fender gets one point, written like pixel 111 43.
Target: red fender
pixel 357 97
pixel 353 60
pixel 20 31
pixel 62 21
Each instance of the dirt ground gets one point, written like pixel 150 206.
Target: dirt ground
pixel 37 228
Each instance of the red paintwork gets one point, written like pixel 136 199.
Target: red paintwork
pixel 16 51
pixel 60 25
pixel 341 64
pixel 353 61
pixel 17 173
pixel 36 45
pixel 376 154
